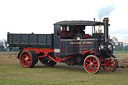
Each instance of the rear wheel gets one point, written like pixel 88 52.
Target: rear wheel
pixel 92 64
pixel 110 64
pixel 28 58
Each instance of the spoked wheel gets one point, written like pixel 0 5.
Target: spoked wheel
pixel 28 58
pixel 92 64
pixel 110 64
pixel 48 62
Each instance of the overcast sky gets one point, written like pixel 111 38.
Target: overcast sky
pixel 38 16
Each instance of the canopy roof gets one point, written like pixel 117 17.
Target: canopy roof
pixel 80 22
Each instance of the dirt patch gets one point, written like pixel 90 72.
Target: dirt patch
pixel 122 60
pixel 11 58
pixel 8 55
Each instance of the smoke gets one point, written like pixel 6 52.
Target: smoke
pixel 106 10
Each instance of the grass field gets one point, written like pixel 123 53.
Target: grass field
pixel 11 73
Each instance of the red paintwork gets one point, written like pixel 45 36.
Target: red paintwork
pixel 59 59
pixel 25 59
pixel 77 46
pixel 86 51
pixel 39 50
pixel 108 64
pixel 86 36
pixel 63 44
pixel 91 64
pixel 46 51
pixel 62 32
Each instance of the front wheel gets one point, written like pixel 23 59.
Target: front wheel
pixel 92 64
pixel 110 64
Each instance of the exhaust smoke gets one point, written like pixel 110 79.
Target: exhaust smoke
pixel 105 11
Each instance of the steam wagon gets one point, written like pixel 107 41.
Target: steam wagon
pixel 71 43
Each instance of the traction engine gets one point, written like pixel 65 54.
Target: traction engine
pixel 70 43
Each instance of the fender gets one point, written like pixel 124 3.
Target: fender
pixel 18 56
pixel 86 53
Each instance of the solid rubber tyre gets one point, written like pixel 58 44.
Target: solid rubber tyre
pixel 92 64
pixel 28 59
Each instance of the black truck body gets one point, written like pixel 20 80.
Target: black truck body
pixel 30 40
pixel 71 43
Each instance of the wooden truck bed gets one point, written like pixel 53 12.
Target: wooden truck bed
pixel 30 40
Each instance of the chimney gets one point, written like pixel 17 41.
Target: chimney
pixel 106 20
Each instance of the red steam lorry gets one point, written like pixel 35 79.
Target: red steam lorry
pixel 70 44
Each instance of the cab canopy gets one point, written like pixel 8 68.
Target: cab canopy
pixel 80 22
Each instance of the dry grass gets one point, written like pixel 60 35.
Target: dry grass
pixel 11 73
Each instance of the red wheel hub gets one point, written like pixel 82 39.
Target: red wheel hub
pixel 91 64
pixel 25 59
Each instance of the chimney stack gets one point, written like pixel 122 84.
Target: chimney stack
pixel 106 20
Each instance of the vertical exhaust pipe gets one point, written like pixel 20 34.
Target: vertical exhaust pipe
pixel 106 20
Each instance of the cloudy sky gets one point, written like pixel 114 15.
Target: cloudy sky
pixel 38 16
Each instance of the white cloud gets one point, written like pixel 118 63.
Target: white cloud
pixel 118 21
pixel 38 16
pixel 26 16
